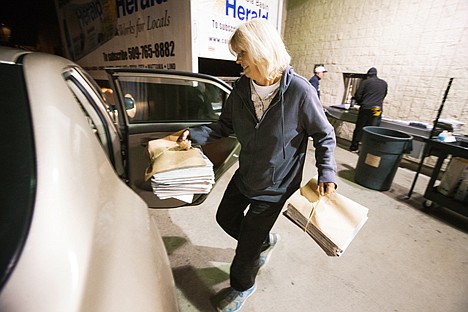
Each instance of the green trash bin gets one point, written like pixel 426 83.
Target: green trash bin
pixel 380 154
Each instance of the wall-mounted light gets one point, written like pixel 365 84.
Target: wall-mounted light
pixel 5 33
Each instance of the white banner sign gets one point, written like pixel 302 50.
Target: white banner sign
pixel 216 20
pixel 162 34
pixel 126 33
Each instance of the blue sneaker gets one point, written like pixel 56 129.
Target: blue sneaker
pixel 234 300
pixel 266 254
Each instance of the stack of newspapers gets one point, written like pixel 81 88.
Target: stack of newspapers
pixel 332 221
pixel 178 173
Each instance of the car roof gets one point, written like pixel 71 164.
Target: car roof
pixel 11 55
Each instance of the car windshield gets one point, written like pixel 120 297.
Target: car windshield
pixel 18 167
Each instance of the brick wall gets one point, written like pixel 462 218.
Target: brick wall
pixel 416 46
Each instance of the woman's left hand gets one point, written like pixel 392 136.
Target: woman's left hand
pixel 326 188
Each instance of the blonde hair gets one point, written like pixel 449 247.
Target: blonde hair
pixel 262 41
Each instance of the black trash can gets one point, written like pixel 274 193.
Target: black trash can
pixel 380 154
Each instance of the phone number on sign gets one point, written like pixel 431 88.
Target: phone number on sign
pixel 146 51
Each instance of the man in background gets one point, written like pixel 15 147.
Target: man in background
pixel 315 80
pixel 369 96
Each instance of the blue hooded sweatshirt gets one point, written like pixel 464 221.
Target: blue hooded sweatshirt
pixel 273 149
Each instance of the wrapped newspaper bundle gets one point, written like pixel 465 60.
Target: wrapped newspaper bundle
pixel 332 222
pixel 178 173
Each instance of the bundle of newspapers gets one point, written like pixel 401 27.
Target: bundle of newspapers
pixel 332 221
pixel 178 173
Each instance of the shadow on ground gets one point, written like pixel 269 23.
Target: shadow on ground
pixel 197 285
pixel 195 281
pixel 400 194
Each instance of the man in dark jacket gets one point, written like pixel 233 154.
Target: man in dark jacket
pixel 369 96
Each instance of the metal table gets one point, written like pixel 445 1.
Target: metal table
pixel 418 134
pixel 442 150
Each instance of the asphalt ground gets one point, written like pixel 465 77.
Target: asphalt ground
pixel 404 259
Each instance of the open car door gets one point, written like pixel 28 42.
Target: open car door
pixel 151 104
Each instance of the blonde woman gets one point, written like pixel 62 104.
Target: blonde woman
pixel 272 111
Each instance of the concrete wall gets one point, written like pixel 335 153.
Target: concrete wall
pixel 416 46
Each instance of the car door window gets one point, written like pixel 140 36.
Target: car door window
pixel 170 99
pixel 93 104
pixel 18 169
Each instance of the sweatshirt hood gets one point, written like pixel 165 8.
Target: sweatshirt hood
pixel 372 72
pixel 285 81
pixel 242 85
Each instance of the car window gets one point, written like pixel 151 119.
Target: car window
pixel 17 168
pixel 93 104
pixel 169 99
pixel 104 94
pixel 93 119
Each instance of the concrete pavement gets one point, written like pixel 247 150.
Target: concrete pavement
pixel 403 259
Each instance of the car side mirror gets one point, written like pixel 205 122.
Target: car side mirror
pixel 129 103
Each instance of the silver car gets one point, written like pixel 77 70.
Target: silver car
pixel 75 231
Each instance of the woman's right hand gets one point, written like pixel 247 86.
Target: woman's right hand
pixel 183 140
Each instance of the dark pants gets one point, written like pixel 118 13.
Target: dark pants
pixel 366 117
pixel 251 230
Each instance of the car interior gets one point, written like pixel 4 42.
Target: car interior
pixel 164 104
